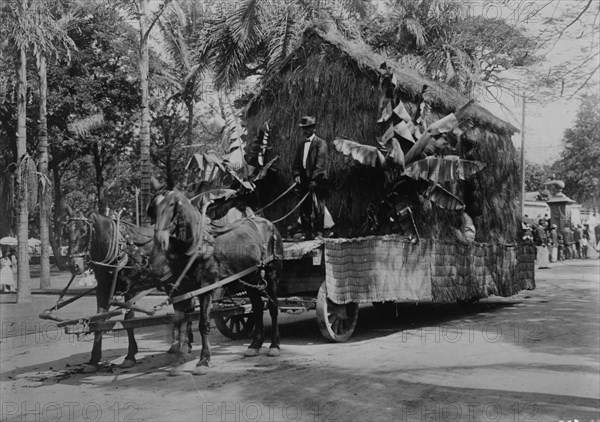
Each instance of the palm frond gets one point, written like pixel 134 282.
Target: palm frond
pixel 414 28
pixel 245 24
pixel 279 45
pixel 85 126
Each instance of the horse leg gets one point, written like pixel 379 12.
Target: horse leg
pixel 175 345
pixel 189 336
pixel 132 349
pixel 272 281
pixel 257 314
pixel 175 334
pixel 102 292
pixel 204 328
pixel 179 315
pixel 93 364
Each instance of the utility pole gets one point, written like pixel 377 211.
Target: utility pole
pixel 137 206
pixel 523 159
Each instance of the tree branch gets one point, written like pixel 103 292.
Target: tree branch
pixel 592 73
pixel 572 23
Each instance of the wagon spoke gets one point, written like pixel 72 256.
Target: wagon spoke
pixel 336 322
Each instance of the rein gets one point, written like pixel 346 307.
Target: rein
pixel 278 198
pixel 293 209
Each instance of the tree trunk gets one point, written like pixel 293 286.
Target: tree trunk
pixel 23 281
pixel 60 261
pixel 143 61
pixel 43 168
pixel 98 165
pixel 190 128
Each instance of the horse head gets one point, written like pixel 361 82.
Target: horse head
pixel 77 231
pixel 162 210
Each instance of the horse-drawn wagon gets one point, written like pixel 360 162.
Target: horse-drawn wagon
pixel 424 151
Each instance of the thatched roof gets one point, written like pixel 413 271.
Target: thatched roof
pixel 337 80
pixel 441 97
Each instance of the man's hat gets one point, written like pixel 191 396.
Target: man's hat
pixel 307 121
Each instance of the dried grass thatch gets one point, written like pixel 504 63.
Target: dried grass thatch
pixel 337 81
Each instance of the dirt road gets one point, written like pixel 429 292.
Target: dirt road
pixel 532 357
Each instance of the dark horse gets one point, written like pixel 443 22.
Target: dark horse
pixel 218 252
pixel 98 241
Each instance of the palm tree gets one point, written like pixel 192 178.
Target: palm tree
pixel 49 34
pixel 423 34
pixel 140 10
pixel 17 29
pixel 181 26
pixel 259 34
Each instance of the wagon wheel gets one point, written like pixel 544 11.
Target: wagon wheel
pixel 336 322
pixel 235 327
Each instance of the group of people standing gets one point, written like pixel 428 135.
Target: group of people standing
pixel 573 242
pixel 8 269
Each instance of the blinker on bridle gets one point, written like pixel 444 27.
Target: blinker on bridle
pixel 86 251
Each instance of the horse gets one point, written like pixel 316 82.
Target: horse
pixel 97 241
pixel 182 233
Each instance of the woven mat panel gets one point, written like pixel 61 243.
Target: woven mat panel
pixel 525 268
pixel 388 268
pixel 463 271
pixel 296 250
pixel 375 269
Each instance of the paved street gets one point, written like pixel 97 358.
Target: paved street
pixel 531 357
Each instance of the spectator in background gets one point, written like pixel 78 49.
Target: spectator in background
pixel 528 234
pixel 540 234
pixel 568 242
pixel 7 279
pixel 584 242
pixel 561 248
pixel 577 235
pixel 553 242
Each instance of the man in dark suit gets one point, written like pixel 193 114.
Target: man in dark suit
pixel 310 172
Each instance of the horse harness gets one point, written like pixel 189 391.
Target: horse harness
pixel 120 250
pixel 195 250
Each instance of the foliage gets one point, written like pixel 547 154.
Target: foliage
pixel 440 39
pixel 535 175
pixel 255 36
pixel 579 165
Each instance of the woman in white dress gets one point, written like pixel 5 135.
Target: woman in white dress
pixel 7 279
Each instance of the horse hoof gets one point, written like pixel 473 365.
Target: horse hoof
pixel 200 370
pixel 176 372
pixel 128 363
pixel 274 352
pixel 251 352
pixel 89 368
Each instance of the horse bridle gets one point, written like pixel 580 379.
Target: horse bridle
pixel 86 252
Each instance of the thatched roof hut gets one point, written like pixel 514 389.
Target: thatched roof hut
pixel 337 80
